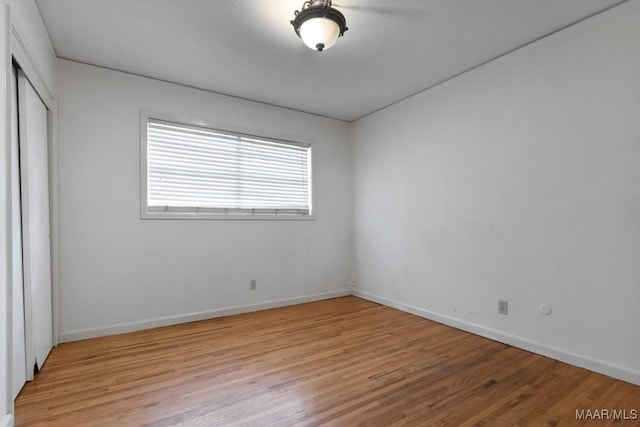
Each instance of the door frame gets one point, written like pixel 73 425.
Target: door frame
pixel 22 56
pixel 6 407
pixel 14 46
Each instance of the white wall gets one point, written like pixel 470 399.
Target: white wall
pixel 520 181
pixel 118 272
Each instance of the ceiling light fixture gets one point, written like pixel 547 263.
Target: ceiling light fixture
pixel 318 24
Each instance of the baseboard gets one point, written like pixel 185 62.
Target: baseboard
pixel 599 366
pixel 6 421
pixel 81 334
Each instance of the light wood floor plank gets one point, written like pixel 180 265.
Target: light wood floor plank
pixel 340 362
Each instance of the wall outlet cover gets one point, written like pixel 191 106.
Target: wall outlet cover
pixel 503 307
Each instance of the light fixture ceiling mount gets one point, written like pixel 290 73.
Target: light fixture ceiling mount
pixel 318 24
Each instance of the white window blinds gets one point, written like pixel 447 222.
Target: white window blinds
pixel 194 169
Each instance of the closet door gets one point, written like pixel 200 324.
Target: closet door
pixel 34 181
pixel 19 360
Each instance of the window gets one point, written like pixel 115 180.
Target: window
pixel 193 171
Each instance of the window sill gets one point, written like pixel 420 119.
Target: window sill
pixel 230 217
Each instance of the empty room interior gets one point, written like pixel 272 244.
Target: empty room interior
pixel 300 213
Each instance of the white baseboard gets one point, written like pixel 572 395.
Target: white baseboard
pixel 121 328
pixel 599 366
pixel 6 421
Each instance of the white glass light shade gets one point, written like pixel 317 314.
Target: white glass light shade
pixel 316 31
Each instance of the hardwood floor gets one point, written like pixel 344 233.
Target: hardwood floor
pixel 340 362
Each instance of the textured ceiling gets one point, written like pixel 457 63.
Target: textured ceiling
pixel 248 49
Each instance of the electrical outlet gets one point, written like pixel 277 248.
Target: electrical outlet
pixel 503 306
pixel 253 285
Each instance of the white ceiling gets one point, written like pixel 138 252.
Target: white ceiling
pixel 248 49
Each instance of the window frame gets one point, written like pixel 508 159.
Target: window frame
pixel 145 213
